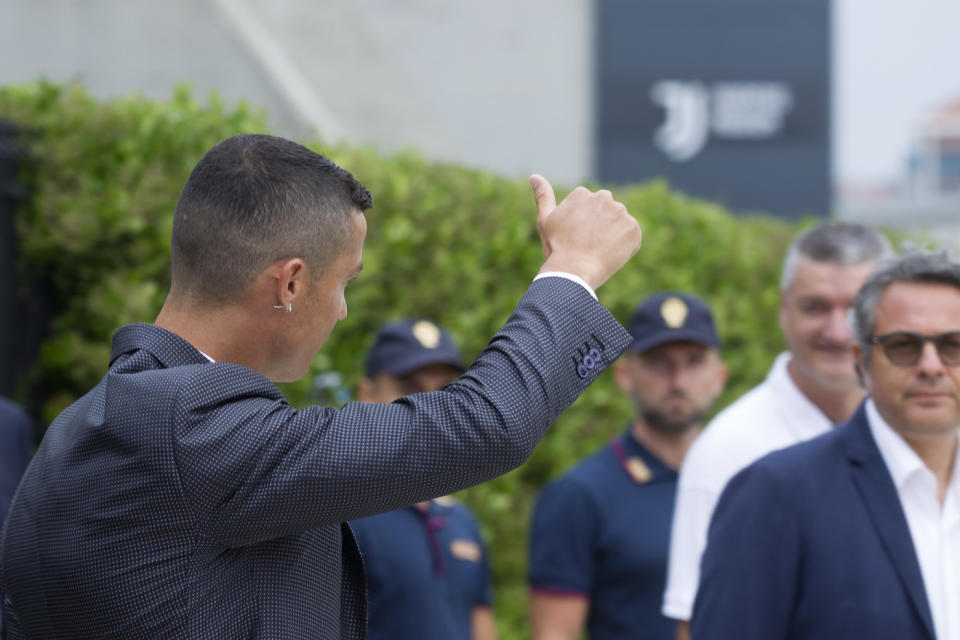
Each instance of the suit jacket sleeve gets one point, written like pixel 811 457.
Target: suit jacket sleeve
pixel 254 468
pixel 750 568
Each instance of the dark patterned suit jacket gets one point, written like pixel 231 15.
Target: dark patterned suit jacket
pixel 186 499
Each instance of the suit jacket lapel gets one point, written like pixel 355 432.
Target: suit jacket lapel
pixel 873 481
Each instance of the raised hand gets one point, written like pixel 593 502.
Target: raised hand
pixel 589 234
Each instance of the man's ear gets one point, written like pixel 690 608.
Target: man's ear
pixel 292 279
pixel 782 312
pixel 621 374
pixel 722 375
pixel 859 366
pixel 365 390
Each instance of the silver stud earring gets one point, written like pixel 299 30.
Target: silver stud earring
pixel 290 307
pixel 279 307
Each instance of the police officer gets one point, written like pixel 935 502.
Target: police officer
pixel 600 534
pixel 427 570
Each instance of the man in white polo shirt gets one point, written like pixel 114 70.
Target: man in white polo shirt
pixel 809 388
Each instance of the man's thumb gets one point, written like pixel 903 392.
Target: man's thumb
pixel 543 194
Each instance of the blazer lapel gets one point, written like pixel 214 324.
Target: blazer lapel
pixel 876 487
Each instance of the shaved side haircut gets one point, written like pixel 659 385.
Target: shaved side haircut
pixel 252 200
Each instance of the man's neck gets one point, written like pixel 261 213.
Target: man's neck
pixel 210 331
pixel 669 448
pixel 836 400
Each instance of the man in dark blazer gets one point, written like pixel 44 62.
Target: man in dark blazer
pixel 182 497
pixel 856 533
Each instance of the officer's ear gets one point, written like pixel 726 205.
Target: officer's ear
pixel 621 374
pixel 722 373
pixel 366 390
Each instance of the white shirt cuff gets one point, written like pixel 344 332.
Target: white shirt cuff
pixel 569 276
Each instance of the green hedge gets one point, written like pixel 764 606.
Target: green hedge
pixel 453 244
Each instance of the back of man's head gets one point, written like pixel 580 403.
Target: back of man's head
pixel 840 243
pixel 253 200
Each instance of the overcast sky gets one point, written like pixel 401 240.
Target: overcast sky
pixel 895 60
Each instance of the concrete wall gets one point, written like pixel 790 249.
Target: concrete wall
pixel 501 85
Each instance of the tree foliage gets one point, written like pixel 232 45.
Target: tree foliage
pixel 445 242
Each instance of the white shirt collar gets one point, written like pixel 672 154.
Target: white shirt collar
pixel 901 460
pixel 206 356
pixel 801 416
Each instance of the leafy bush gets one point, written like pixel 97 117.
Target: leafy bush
pixel 94 236
pixel 452 244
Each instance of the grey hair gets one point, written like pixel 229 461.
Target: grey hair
pixel 843 243
pixel 916 267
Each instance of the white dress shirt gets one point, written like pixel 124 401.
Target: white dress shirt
pixel 934 527
pixel 773 415
pixel 569 276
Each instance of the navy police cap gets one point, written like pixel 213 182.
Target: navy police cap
pixel 407 345
pixel 672 317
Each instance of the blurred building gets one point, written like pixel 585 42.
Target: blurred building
pixel 927 198
pixel 933 167
pixel 726 102
pixel 500 85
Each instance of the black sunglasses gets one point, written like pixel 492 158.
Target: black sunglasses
pixel 903 348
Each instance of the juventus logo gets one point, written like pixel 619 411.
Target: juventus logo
pixel 687 125
pixel 735 110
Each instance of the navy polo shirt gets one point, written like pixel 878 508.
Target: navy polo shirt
pixel 426 572
pixel 602 531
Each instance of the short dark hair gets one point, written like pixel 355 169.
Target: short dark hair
pixel 252 200
pixel 843 243
pixel 915 267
